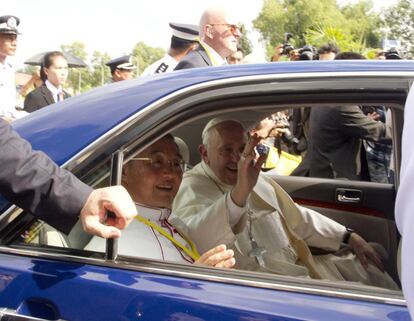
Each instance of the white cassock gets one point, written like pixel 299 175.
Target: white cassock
pixel 165 64
pixel 404 209
pixel 140 240
pixel 272 222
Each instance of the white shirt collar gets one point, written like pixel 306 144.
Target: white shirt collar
pixel 52 88
pixel 153 213
pixel 217 60
pixel 55 91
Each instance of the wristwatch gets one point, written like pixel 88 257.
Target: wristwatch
pixel 347 235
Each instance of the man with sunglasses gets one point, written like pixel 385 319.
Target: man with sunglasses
pixel 152 178
pixel 219 34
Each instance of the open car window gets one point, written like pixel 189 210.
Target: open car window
pixel 40 234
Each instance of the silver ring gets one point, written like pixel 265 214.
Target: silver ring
pixel 242 158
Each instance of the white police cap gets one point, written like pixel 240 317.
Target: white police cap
pixel 184 31
pixel 8 24
pixel 124 62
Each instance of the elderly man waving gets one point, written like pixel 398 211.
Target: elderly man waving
pixel 226 199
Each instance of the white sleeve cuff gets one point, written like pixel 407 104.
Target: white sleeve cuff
pixel 235 211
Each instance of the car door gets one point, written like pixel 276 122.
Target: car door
pixel 47 281
pixel 358 204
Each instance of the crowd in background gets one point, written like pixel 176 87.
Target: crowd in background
pixel 47 83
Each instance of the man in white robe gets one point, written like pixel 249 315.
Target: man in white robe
pixel 404 208
pixel 226 199
pixel 152 179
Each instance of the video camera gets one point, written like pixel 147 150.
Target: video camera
pixel 392 53
pixel 305 53
pixel 282 121
pixel 287 46
pixel 308 53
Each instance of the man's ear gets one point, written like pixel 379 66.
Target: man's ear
pixel 203 153
pixel 208 31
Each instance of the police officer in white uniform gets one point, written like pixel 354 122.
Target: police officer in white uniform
pixel 8 44
pixel 184 39
pixel 122 68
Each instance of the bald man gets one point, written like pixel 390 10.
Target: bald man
pixel 219 34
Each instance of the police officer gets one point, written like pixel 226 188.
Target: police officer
pixel 184 39
pixel 8 44
pixel 122 68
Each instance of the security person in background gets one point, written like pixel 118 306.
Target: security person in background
pixel 184 39
pixel 219 34
pixel 8 45
pixel 122 68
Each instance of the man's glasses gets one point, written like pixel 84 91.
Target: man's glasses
pixel 231 27
pixel 160 161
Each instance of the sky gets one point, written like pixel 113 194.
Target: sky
pixel 115 26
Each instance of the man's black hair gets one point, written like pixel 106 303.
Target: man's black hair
pixel 330 47
pixel 180 44
pixel 349 55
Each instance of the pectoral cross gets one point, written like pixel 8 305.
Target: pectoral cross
pixel 257 252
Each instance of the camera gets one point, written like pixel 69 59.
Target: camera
pixel 392 53
pixel 308 53
pixel 287 46
pixel 287 137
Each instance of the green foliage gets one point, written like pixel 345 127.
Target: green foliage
pixel 97 74
pixel 317 22
pixel 363 23
pixel 399 21
pixel 145 55
pixel 79 78
pixel 100 73
pixel 244 42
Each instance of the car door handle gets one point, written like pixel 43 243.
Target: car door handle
pixel 12 315
pixel 348 195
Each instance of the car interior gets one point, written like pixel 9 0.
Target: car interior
pixel 374 211
pixel 372 216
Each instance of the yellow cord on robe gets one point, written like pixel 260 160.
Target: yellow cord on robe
pixel 210 56
pixel 193 253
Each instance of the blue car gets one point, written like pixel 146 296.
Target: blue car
pixel 46 275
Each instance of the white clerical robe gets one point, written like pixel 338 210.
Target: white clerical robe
pixel 140 240
pixel 278 225
pixel 404 208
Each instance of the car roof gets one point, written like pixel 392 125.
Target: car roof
pixel 64 130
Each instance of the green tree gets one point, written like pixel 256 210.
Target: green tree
pixel 363 23
pixel 317 22
pixel 145 55
pixel 244 42
pixel 100 73
pixel 399 23
pixel 79 78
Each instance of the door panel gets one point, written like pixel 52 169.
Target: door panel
pixel 85 292
pixel 372 216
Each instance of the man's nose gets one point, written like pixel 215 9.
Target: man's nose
pixel 237 33
pixel 236 156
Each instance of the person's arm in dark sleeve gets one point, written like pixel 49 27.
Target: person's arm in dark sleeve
pixel 355 123
pixel 185 64
pixel 29 104
pixel 35 183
